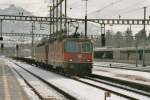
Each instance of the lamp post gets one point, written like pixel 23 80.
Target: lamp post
pixel 85 17
pixel 50 26
pixel 66 17
pixel 107 94
pixel 144 38
pixel 53 16
pixel 50 14
pixel 1 32
pixel 136 45
pixel 32 44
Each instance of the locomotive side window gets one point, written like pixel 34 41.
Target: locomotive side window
pixel 86 47
pixel 71 46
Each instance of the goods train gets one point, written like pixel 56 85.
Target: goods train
pixel 70 55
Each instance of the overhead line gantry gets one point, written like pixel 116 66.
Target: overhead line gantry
pixel 99 21
pixel 24 34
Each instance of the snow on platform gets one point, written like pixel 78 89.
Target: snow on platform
pixel 79 90
pixel 26 88
pixel 10 88
pixel 44 90
pixel 115 64
pixel 123 74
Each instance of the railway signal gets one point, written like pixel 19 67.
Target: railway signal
pixel 17 47
pixel 1 38
pixel 2 46
pixel 103 40
pixel 17 50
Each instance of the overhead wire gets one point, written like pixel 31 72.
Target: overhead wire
pixel 132 5
pixel 124 12
pixel 133 9
pixel 39 9
pixel 106 6
pixel 127 12
pixel 74 3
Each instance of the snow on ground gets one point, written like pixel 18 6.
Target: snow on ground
pixel 79 90
pixel 130 75
pixel 115 64
pixel 145 68
pixel 44 90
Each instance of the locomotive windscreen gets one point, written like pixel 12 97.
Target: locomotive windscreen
pixel 75 46
pixel 87 47
pixel 71 46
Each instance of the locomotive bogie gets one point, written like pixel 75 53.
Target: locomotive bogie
pixel 78 68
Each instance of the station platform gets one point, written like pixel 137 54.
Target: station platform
pixel 9 86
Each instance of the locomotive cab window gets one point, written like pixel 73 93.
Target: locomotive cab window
pixel 71 46
pixel 87 47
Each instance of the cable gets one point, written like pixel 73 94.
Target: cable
pixel 39 9
pixel 132 5
pixel 124 12
pixel 73 3
pixel 134 9
pixel 109 5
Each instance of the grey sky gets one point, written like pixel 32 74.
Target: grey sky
pixel 109 8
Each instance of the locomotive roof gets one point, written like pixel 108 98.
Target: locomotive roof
pixel 78 39
pixel 44 41
pixel 59 36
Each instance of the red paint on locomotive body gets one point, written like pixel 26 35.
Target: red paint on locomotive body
pixel 78 57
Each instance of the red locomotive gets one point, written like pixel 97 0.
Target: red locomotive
pixel 73 56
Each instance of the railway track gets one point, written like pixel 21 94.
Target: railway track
pixel 112 84
pixel 135 87
pixel 126 85
pixel 95 82
pixel 65 96
pixel 105 89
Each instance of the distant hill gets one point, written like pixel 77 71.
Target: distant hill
pixel 13 10
pixel 17 26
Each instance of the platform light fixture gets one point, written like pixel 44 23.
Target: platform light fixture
pixel 107 94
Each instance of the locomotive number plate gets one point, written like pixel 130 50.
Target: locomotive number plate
pixel 80 56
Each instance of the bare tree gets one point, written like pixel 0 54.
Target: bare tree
pixel 128 38
pixel 118 40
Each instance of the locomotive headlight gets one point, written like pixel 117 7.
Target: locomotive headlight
pixel 88 60
pixel 70 59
